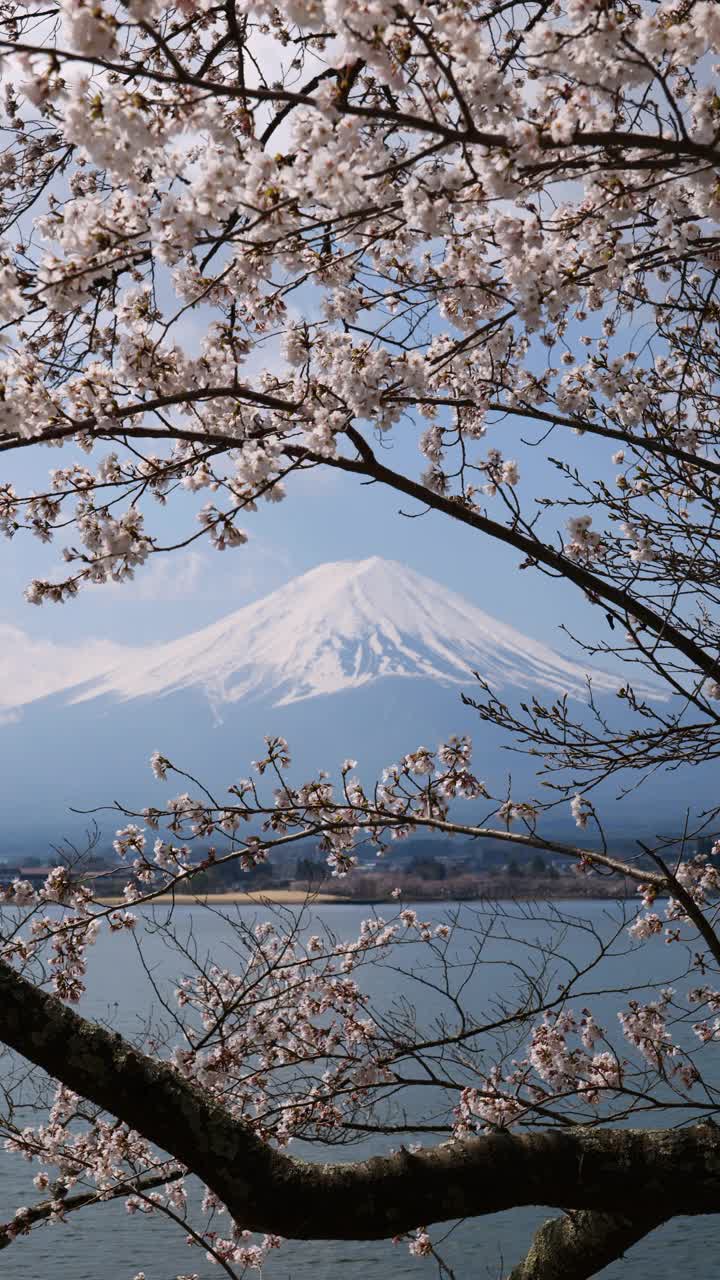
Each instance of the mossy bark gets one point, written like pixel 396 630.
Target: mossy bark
pixel 581 1243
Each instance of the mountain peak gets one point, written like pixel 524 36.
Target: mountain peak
pixel 340 626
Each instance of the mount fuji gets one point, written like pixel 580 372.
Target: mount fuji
pixel 364 658
pixel 339 627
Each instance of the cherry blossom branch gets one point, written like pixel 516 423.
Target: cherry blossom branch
pixel 594 586
pixel 688 903
pixel 653 444
pixel 602 139
pixel 236 392
pixel 60 1207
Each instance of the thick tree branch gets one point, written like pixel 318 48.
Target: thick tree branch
pixel 578 1245
pixel 667 1171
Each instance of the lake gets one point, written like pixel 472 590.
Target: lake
pixel 105 1241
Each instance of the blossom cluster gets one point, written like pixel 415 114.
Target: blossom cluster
pixel 490 206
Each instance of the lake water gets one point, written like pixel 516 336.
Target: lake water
pixel 104 1241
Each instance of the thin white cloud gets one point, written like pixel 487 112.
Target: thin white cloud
pixel 165 579
pixel 32 669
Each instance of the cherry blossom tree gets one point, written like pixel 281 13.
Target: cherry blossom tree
pixel 484 233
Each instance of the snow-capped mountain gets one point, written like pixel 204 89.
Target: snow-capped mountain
pixel 340 627
pixel 364 659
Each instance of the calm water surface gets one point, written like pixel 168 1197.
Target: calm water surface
pixel 103 1242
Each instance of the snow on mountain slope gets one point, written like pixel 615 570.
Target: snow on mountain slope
pixel 337 628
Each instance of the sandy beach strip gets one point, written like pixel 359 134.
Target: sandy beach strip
pixel 282 897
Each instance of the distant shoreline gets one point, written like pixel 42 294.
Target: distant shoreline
pixel 282 897
pixel 296 898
